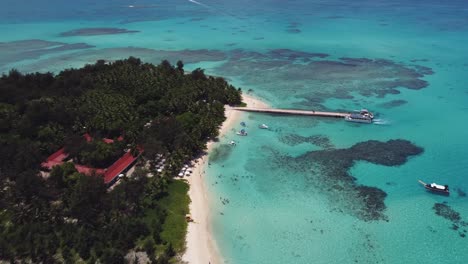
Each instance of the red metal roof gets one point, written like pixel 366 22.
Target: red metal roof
pixel 108 140
pixel 59 156
pixel 55 159
pixel 88 137
pixel 121 164
pixel 109 174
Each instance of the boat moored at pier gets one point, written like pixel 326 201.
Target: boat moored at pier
pixel 363 116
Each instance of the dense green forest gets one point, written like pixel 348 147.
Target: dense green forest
pixel 70 217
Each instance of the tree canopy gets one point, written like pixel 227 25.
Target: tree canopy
pixel 68 216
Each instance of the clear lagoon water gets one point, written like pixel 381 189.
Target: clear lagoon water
pixel 308 190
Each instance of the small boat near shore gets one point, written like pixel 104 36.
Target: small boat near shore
pixel 436 188
pixel 263 126
pixel 242 133
pixel 363 116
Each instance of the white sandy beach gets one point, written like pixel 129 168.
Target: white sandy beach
pixel 201 247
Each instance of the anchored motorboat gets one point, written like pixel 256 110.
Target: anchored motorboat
pixel 437 188
pixel 242 133
pixel 263 126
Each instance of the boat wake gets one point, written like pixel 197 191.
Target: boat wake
pixel 198 3
pixel 380 122
pixel 212 8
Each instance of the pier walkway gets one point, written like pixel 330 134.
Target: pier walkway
pixel 292 112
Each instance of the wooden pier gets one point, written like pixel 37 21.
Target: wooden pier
pixel 292 112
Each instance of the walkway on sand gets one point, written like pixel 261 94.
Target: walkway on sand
pixel 292 112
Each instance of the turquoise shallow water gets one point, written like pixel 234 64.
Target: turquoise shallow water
pixel 272 201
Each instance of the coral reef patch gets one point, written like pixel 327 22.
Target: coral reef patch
pixel 328 171
pixel 30 49
pixel 220 153
pixel 393 103
pixel 287 72
pixel 283 72
pixel 317 140
pixel 447 212
pixel 96 32
pixel 56 63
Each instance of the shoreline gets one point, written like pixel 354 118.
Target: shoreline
pixel 201 246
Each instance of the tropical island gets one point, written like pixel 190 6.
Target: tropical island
pixel 92 118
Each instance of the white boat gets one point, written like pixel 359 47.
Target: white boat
pixel 263 126
pixel 242 133
pixel 232 143
pixel 363 116
pixel 436 188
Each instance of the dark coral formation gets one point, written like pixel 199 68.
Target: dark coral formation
pixel 310 77
pixel 15 51
pixel 291 55
pixel 393 103
pixel 220 153
pixel 293 28
pixel 56 63
pixel 447 212
pixel 390 153
pixel 317 140
pixel 460 192
pixel 329 171
pixel 293 31
pixel 288 72
pixel 374 200
pixel 96 32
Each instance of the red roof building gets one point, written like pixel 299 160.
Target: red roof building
pixel 110 174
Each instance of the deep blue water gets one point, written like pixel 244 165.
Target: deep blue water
pixel 276 199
